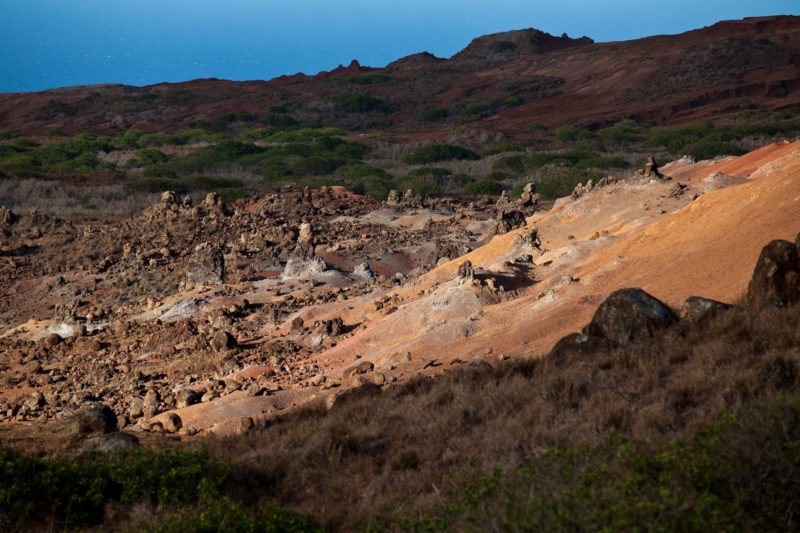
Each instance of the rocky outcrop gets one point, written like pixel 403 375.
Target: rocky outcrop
pixel 650 172
pixel 466 272
pixel 510 220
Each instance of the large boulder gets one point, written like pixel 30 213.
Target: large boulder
pixel 776 278
pixel 628 315
pixel 96 419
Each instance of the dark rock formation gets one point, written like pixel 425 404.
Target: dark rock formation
pixel 628 315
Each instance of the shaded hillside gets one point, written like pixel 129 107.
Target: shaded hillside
pixel 503 82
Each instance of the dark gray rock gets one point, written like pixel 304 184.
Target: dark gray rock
pixel 698 309
pixel 776 278
pixel 628 315
pixel 93 420
pixel 510 220
pixel 579 344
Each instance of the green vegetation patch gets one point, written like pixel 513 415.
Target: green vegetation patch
pixel 360 103
pixel 434 153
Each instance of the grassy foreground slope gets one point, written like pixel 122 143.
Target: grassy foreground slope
pixel 696 428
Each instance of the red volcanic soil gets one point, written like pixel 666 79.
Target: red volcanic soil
pixel 665 80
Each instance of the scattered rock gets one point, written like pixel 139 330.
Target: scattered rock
pixel 223 341
pixel 361 368
pixel 697 308
pixel 136 409
pixel 528 198
pixel 510 220
pixel 306 234
pixel 232 427
pixel 172 423
pixel 185 398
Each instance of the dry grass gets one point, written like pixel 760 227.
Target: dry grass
pixel 388 454
pixel 59 199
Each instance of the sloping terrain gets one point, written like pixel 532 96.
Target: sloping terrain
pixel 220 316
pixel 502 82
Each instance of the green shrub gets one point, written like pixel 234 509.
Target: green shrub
pixel 317 165
pixel 561 181
pixel 304 135
pixel 512 163
pixel 709 149
pixel 351 150
pixel 512 101
pixel 435 172
pixel 486 187
pixel 625 131
pixel 512 85
pixel 359 103
pixel 280 121
pixel 20 164
pixel 434 115
pixel 222 122
pixel 478 108
pixel 359 170
pixel 225 515
pixel 434 153
pixel 275 170
pixel 149 156
pixel 499 175
pixel 503 148
pixel 572 133
pixel 420 185
pixel 368 79
pixel 375 186
pixel 500 47
pixel 75 492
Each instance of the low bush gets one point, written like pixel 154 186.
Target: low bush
pixel 503 148
pixel 74 493
pixel 621 132
pixel 434 115
pixel 368 79
pixel 500 47
pixel 359 103
pixel 147 156
pixel 479 108
pixel 435 172
pixel 560 181
pixel 572 133
pixel 484 187
pixel 435 153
